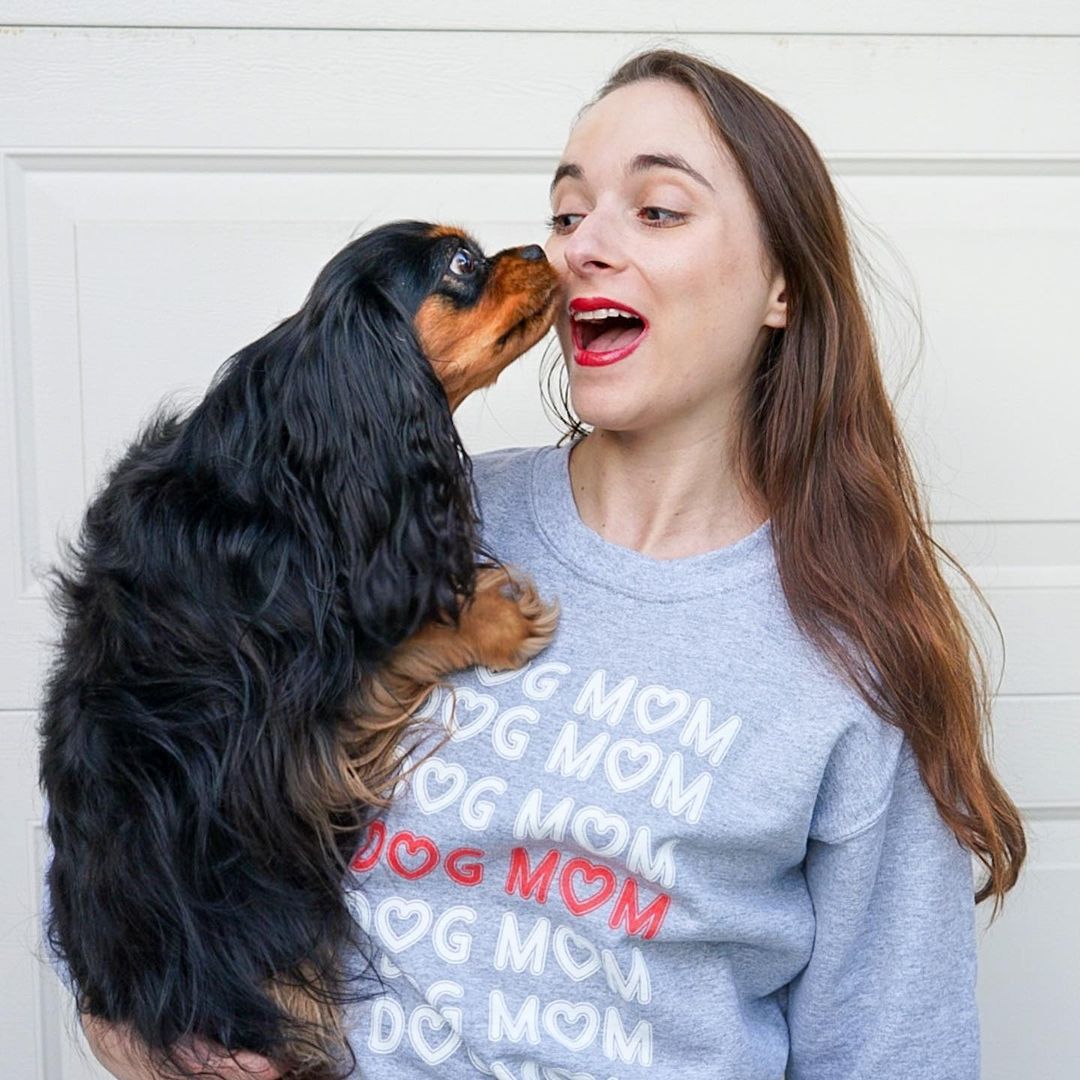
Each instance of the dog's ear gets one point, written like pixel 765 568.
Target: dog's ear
pixel 374 466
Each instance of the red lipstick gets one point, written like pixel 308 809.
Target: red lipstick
pixel 590 357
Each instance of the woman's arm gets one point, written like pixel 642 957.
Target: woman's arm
pixel 120 1052
pixel 889 991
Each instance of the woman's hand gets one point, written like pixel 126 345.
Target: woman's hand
pixel 125 1057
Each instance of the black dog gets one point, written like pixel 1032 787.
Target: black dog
pixel 261 593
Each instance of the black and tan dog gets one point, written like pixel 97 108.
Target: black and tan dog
pixel 260 594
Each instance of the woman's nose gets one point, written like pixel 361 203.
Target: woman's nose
pixel 590 248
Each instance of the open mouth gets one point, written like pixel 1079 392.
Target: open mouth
pixel 604 331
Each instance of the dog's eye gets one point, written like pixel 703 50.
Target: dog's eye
pixel 462 264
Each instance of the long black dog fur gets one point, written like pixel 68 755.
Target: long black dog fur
pixel 240 571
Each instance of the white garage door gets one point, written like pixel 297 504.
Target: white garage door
pixel 171 186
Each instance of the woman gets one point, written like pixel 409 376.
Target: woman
pixel 723 825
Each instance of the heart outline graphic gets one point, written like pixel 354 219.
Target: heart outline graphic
pixel 401 908
pixel 660 695
pixel 458 779
pixel 633 749
pixel 412 843
pixel 566 959
pixel 590 872
pixel 579 1010
pixel 467 696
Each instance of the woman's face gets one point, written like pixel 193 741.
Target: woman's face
pixel 651 216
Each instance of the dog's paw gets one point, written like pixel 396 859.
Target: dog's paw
pixel 508 622
pixel 540 620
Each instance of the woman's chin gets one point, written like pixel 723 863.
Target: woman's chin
pixel 609 403
pixel 607 415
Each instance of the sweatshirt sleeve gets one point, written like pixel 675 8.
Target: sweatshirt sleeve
pixel 889 990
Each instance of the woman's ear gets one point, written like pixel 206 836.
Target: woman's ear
pixel 776 310
pixel 369 432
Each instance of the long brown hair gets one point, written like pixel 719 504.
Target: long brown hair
pixel 819 444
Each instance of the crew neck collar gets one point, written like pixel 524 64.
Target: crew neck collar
pixel 735 565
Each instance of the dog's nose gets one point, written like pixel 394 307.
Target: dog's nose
pixel 533 253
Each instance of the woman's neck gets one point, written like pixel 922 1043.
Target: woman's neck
pixel 668 498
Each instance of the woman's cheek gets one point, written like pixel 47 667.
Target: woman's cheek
pixel 553 251
pixel 567 342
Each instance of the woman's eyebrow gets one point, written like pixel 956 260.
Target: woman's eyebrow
pixel 640 163
pixel 666 161
pixel 567 168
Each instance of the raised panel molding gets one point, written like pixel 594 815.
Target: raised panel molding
pixel 241 233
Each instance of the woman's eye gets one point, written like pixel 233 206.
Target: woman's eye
pixel 462 264
pixel 658 215
pixel 561 223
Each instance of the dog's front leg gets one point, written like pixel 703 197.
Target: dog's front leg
pixel 503 626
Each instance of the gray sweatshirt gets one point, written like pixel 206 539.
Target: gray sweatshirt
pixel 674 845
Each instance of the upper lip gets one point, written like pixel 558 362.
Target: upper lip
pixel 591 303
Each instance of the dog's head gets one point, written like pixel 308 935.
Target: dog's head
pixel 484 312
pixel 471 313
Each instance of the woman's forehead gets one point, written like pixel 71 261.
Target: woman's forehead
pixel 646 120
